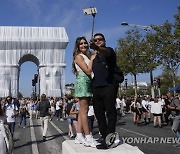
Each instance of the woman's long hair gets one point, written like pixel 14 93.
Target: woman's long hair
pixel 76 51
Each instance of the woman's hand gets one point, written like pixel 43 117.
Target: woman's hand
pixel 93 56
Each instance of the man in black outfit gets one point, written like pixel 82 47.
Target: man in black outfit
pixel 104 87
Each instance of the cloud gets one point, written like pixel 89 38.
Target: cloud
pixel 33 6
pixel 30 7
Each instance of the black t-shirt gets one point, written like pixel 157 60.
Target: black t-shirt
pixel 103 69
pixel 43 107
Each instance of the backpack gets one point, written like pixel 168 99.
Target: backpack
pixel 118 75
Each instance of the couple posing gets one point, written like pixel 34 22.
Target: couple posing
pixel 94 77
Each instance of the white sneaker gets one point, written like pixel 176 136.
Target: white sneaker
pixel 80 140
pixel 90 142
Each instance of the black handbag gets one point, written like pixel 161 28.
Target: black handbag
pixel 118 75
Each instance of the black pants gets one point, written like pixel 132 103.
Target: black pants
pixel 104 100
pixel 91 123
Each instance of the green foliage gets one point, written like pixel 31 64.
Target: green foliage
pixel 160 47
pixel 167 80
pixel 129 53
pixel 20 95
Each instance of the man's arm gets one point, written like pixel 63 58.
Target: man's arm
pixel 104 50
pixel 178 107
pixel 171 107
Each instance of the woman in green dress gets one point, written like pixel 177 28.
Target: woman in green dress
pixel 82 68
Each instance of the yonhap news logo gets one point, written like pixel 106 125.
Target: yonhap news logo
pixel 150 140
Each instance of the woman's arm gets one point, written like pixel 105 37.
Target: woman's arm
pixel 79 60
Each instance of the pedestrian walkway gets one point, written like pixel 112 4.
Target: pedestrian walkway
pixel 29 140
pixel 69 147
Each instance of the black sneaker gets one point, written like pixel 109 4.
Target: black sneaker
pixel 100 140
pixel 102 145
pixel 44 138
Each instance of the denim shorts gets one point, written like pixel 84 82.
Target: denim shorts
pixel 69 121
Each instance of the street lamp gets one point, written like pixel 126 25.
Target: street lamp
pixel 142 27
pixel 126 85
pixel 91 11
pixel 145 29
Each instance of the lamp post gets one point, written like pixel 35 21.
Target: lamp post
pixel 145 29
pixel 91 11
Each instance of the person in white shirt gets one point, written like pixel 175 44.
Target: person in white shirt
pixel 58 108
pixel 91 117
pixel 145 109
pixel 123 106
pixel 118 107
pixel 156 110
pixel 11 111
pixel 52 103
pixel 133 108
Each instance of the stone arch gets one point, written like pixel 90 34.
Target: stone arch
pixel 29 57
pixel 45 46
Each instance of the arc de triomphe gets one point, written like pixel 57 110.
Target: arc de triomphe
pixel 45 46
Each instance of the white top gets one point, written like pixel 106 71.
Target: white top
pixel 118 103
pixel 10 110
pixel 86 59
pixel 156 107
pixel 91 111
pixel 144 104
pixel 57 105
pixel 123 102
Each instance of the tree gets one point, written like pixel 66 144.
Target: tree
pixel 168 39
pixel 137 54
pixel 166 81
pixel 129 54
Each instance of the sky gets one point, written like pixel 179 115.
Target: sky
pixel 69 14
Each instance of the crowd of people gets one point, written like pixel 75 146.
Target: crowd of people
pixel 165 110
pixel 162 111
pixel 95 97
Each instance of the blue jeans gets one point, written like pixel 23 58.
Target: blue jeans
pixel 178 134
pixel 23 118
pixel 11 127
pixel 176 126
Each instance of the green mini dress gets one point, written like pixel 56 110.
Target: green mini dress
pixel 83 85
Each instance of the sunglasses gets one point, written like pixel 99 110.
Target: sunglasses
pixel 98 39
